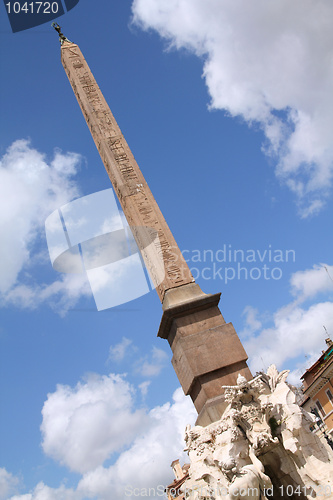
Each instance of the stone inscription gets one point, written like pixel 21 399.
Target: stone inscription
pixel 124 172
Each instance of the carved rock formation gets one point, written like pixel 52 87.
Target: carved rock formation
pixel 261 447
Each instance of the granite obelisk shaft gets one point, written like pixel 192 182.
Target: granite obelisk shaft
pixel 135 197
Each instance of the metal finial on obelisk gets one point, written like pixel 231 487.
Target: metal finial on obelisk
pixel 62 37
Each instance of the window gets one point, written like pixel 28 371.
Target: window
pixel 330 396
pixel 320 408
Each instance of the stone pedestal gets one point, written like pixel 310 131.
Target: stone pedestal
pixel 207 352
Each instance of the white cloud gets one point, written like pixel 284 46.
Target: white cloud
pixel 306 284
pixel 44 492
pixel 149 365
pixel 297 330
pixel 83 426
pixel 153 365
pixel 118 351
pixel 144 388
pixel 61 295
pixel 251 320
pixel 8 483
pixel 302 365
pixel 269 63
pixel 28 496
pixel 31 187
pixel 146 464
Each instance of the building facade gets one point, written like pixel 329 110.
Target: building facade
pixel 318 389
pixel 174 490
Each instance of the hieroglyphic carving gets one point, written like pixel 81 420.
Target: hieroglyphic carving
pixel 139 206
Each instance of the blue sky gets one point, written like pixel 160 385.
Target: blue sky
pixel 228 112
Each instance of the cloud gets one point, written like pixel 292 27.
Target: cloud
pixel 144 388
pixel 269 63
pixel 83 426
pixel 151 367
pixel 251 320
pixel 302 365
pixel 61 295
pixel 307 284
pixel 8 483
pixel 44 492
pixel 297 330
pixel 118 351
pixel 146 464
pixel 31 187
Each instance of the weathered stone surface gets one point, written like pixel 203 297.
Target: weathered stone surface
pixel 134 195
pixel 261 446
pixel 207 351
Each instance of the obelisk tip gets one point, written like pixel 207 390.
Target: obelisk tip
pixel 62 37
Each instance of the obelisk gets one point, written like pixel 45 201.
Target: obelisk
pixel 207 352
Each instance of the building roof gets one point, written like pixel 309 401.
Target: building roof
pixel 176 483
pixel 321 362
pixel 315 374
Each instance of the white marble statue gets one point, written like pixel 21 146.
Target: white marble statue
pixel 262 428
